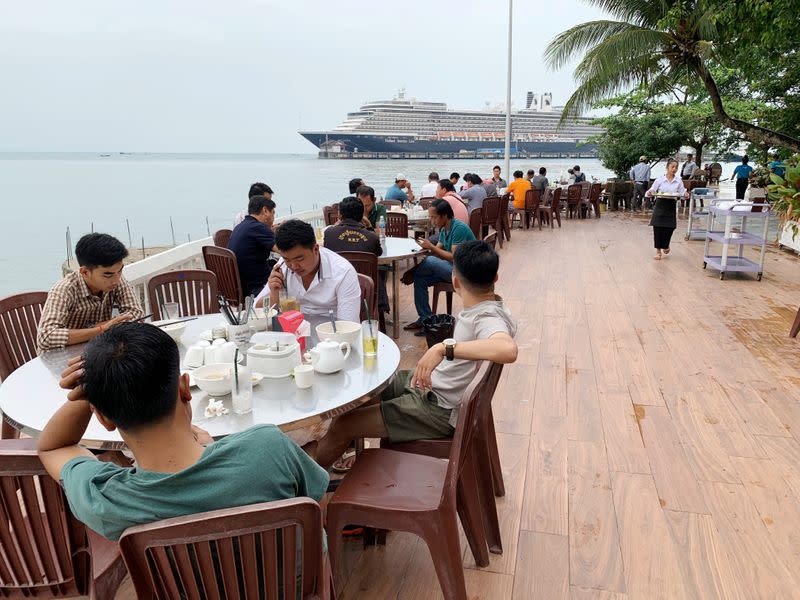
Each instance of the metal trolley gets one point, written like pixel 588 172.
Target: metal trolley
pixel 724 262
pixel 699 201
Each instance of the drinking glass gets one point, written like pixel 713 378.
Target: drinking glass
pixel 172 311
pixel 288 301
pixel 241 391
pixel 369 337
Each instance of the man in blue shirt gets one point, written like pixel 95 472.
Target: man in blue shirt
pixel 742 175
pixel 252 241
pixel 396 191
pixel 438 266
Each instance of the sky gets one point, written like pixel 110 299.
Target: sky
pixel 246 75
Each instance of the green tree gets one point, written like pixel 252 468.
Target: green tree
pixel 658 44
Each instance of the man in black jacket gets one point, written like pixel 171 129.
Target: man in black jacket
pixel 252 241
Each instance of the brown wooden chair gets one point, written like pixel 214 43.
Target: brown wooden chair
pixel 445 287
pixel 595 191
pixel 426 202
pixel 476 222
pixel 243 552
pixel 194 290
pixel 330 215
pixel 19 322
pixel 574 200
pixel 369 294
pixel 533 198
pixel 390 203
pixel 491 239
pixel 503 223
pixel 222 237
pixel 491 210
pixel 796 325
pixel 46 552
pixel 222 262
pixel 366 263
pixel 400 491
pixel 519 213
pixel 396 224
pixel 552 209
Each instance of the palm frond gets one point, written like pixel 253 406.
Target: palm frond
pixel 645 13
pixel 704 24
pixel 631 46
pixel 582 37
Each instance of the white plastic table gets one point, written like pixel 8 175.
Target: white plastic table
pixel 396 249
pixel 30 395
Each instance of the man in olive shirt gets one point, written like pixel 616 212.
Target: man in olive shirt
pixel 129 377
pixel 350 234
pixel 372 210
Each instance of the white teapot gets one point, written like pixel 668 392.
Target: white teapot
pixel 328 356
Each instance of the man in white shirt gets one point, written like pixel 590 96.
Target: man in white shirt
pixel 689 167
pixel 321 280
pixel 429 189
pixel 640 174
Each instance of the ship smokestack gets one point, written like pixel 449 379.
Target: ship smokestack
pixel 528 100
pixel 547 101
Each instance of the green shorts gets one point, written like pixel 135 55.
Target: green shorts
pixel 411 414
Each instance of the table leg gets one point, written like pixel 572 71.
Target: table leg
pixel 395 301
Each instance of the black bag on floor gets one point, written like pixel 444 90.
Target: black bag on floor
pixel 438 328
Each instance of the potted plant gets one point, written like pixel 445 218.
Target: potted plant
pixel 784 192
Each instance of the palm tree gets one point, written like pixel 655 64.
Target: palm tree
pixel 654 43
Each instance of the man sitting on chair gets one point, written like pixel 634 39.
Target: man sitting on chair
pixel 423 404
pixel 129 378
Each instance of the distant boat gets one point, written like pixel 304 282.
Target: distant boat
pixel 105 155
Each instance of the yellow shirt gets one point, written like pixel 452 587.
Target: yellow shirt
pixel 518 187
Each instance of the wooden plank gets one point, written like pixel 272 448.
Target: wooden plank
pixel 756 563
pixel 550 397
pixel 651 567
pixel 785 454
pixel 512 404
pixel 381 569
pixel 704 566
pixel 579 593
pixel 542 567
pixel 595 557
pixel 623 438
pixel 546 496
pixel 674 479
pixel 584 420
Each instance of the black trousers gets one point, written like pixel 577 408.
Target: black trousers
pixel 661 237
pixel 741 186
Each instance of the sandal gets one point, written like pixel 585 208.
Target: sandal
pixel 666 251
pixel 345 462
pixel 657 256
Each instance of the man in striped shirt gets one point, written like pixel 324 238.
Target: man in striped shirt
pixel 82 305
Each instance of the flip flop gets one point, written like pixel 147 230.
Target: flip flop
pixel 666 251
pixel 345 462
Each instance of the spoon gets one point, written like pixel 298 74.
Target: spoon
pixel 333 320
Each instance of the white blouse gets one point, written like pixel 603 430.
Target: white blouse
pixel 665 186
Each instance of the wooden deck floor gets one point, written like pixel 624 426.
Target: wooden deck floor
pixel 649 432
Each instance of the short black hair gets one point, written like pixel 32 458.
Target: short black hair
pixel 531 172
pixel 259 189
pixel 131 374
pixel 295 232
pixel 477 264
pixel 443 208
pixel 366 190
pixel 257 203
pixel 745 159
pixel 351 208
pixel 99 250
pixel 518 174
pixel 434 176
pixel 456 175
pixel 446 184
pixel 475 178
pixel 354 184
pixel 576 168
pixel 542 171
pixel 496 167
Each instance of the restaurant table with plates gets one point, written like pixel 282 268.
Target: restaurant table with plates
pixel 395 250
pixel 31 395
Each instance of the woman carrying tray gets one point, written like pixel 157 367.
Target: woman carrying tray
pixel 667 189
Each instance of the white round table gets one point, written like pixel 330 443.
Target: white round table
pixel 396 249
pixel 31 394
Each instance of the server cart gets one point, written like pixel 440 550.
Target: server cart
pixel 735 237
pixel 698 213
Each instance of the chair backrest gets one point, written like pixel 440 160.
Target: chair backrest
pixel 491 239
pixel 243 552
pixel 194 290
pixel 532 200
pixel 396 224
pixel 365 263
pixel 330 214
pixel 45 550
pixel 390 203
pixel 370 294
pixel 476 222
pixel 426 202
pixel 595 191
pixel 222 262
pixel 491 208
pixel 574 193
pixel 555 199
pixel 505 200
pixel 222 237
pixel 475 404
pixel 585 188
pixel 19 321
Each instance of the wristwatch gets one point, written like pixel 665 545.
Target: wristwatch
pixel 449 348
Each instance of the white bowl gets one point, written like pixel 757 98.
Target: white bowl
pixel 214 379
pixel 346 331
pixel 175 331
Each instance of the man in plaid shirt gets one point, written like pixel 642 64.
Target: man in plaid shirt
pixel 80 306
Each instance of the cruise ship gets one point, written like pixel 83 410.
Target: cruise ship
pixel 409 128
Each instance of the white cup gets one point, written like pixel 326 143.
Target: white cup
pixel 194 356
pixel 304 376
pixel 226 352
pixel 210 354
